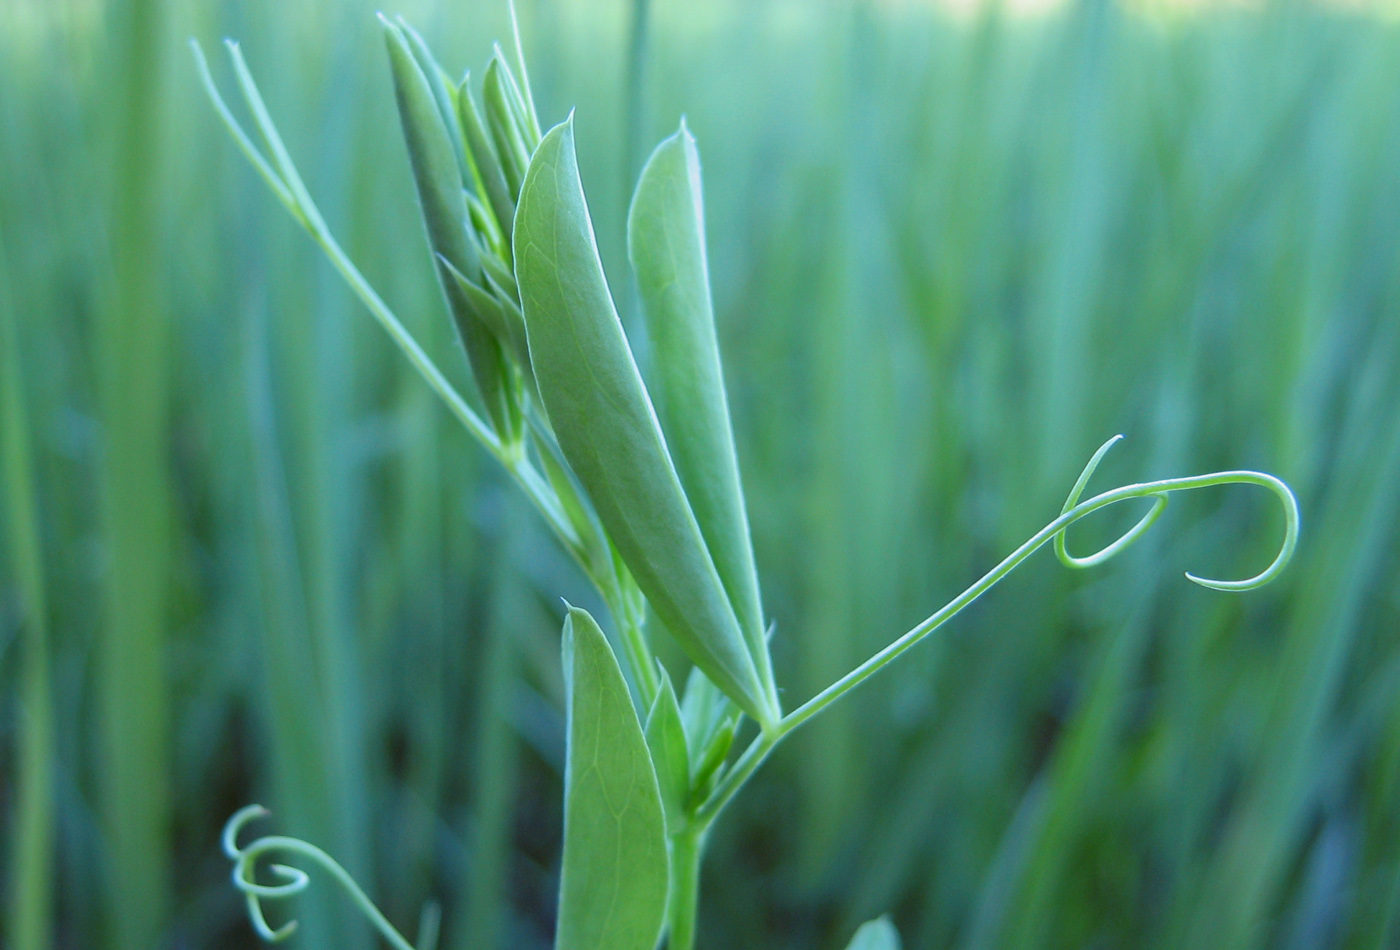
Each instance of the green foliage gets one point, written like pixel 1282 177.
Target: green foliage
pixel 435 149
pixel 602 415
pixel 666 244
pixel 667 741
pixel 613 883
pixel 950 254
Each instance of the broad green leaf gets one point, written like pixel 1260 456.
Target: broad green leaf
pixel 666 739
pixel 606 427
pixel 878 934
pixel 666 242
pixel 437 176
pixel 613 884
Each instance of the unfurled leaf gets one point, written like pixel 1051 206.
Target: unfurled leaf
pixel 666 242
pixel 613 884
pixel 876 935
pixel 607 429
pixel 666 739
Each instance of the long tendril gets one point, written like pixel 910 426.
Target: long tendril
pixel 296 880
pixel 1073 510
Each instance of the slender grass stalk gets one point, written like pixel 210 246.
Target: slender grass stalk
pixel 294 677
pixel 133 382
pixel 495 757
pixel 30 901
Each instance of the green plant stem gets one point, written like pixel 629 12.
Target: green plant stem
pixel 630 613
pixel 764 744
pixel 687 849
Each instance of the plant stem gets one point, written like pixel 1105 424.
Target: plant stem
pixel 629 613
pixel 687 848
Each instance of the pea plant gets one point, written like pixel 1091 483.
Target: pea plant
pixel 637 479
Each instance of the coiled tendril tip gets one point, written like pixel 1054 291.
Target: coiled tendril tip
pixel 1160 492
pixel 295 881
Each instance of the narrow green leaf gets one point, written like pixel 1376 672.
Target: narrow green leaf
pixel 666 739
pixel 713 754
pixel 481 151
pixel 666 242
pixel 703 709
pixel 435 170
pixel 877 934
pixel 606 427
pixel 444 93
pixel 613 884
pixel 438 178
pixel 507 324
pixel 502 278
pixel 502 122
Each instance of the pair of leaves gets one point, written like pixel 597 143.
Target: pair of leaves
pixel 699 578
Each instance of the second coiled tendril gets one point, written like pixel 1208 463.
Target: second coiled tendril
pixel 296 880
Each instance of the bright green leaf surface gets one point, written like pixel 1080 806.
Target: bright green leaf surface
pixel 606 426
pixel 876 935
pixel 666 739
pixel 666 242
pixel 612 889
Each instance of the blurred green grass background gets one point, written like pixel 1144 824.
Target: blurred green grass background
pixel 245 557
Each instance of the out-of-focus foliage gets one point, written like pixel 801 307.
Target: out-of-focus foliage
pixel 951 255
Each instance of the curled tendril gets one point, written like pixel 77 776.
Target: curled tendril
pixel 1159 496
pixel 1073 510
pixel 296 880
pixel 1159 502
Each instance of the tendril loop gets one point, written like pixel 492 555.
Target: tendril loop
pixel 1160 492
pixel 296 880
